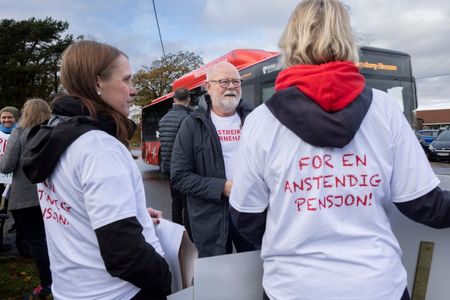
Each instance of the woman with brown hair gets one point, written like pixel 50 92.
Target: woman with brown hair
pixel 23 197
pixel 101 239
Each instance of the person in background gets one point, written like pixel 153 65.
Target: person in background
pixel 9 115
pixel 320 164
pixel 101 239
pixel 168 128
pixel 204 162
pixel 23 198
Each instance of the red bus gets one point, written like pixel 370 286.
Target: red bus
pixel 383 69
pixel 194 81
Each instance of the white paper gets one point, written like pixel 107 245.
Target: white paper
pixel 6 191
pixel 4 178
pixel 186 294
pixel 188 254
pixel 170 235
pixel 179 252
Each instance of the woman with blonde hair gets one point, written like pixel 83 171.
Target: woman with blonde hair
pixel 23 197
pixel 321 163
pixel 101 239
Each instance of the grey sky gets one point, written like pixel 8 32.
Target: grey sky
pixel 213 27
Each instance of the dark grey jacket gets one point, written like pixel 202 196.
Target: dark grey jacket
pixel 23 192
pixel 198 170
pixel 168 128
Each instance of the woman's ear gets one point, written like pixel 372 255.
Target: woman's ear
pixel 98 85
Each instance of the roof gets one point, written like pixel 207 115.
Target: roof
pixel 240 58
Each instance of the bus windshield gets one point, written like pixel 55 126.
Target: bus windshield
pixel 390 71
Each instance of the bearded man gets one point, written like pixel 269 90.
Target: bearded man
pixel 204 162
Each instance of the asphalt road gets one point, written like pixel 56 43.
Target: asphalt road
pixel 156 187
pixel 441 168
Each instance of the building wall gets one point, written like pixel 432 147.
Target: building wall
pixel 432 118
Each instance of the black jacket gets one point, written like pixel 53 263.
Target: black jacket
pixel 198 170
pixel 168 129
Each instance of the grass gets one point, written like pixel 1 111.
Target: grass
pixel 18 276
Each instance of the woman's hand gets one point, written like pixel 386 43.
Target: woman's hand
pixel 227 188
pixel 156 215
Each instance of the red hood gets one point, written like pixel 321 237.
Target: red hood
pixel 332 86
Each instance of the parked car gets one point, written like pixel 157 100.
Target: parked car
pixel 426 136
pixel 439 149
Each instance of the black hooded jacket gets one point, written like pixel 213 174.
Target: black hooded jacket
pixel 123 248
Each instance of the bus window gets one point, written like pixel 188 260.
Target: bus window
pixel 402 91
pixel 248 94
pixel 267 91
pixel 397 93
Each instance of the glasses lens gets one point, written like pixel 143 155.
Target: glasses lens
pixel 236 82
pixel 225 83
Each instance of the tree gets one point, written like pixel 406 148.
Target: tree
pixel 156 80
pixel 30 51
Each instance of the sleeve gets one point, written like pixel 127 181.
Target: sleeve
pixel 432 209
pixel 182 170
pixel 251 226
pixel 128 256
pixel 250 192
pixel 412 175
pixel 11 157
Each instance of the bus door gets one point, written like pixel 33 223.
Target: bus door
pixel 149 133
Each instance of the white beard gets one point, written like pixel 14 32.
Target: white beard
pixel 228 105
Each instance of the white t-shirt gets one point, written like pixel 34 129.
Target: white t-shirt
pixel 95 183
pixel 229 132
pixel 327 233
pixel 3 142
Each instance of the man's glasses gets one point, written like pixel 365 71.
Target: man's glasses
pixel 225 83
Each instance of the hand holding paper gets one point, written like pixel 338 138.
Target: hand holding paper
pixel 156 215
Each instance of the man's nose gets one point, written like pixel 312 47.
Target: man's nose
pixel 133 91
